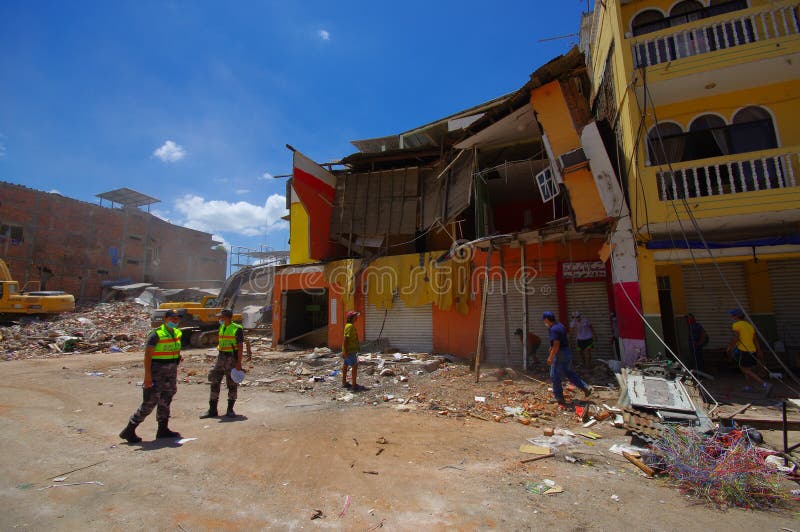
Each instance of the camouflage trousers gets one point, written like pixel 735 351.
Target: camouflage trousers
pixel 164 388
pixel 222 368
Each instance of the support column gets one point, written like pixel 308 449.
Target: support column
pixel 651 309
pixel 627 295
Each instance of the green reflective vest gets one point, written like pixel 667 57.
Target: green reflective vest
pixel 227 337
pixel 169 344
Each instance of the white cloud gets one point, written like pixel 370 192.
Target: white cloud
pixel 54 191
pixel 221 180
pixel 2 150
pixel 324 35
pixel 170 152
pixel 266 176
pixel 215 216
pixel 242 191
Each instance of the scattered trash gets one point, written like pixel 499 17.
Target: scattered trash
pixel 184 440
pixel 345 507
pixel 534 449
pixel 479 399
pixel 619 448
pixel 778 463
pixel 71 484
pixel 725 469
pixel 615 498
pixel 382 441
pixel 370 472
pixel 317 515
pixel 545 487
pixel 95 373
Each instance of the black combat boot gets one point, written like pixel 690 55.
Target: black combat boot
pixel 164 432
pixel 212 410
pixel 130 433
pixel 230 412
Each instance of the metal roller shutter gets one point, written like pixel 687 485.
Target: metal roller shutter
pixel 407 329
pixel 709 299
pixel 591 300
pixel 543 296
pixel 784 276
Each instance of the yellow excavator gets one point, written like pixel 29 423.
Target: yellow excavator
pixel 30 300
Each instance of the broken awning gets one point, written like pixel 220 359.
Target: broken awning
pixel 316 189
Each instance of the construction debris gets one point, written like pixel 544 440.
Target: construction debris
pixel 117 326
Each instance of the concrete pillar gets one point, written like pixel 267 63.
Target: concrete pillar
pixel 627 297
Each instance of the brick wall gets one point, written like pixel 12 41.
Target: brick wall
pixel 83 244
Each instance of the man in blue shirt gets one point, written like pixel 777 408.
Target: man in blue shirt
pixel 560 358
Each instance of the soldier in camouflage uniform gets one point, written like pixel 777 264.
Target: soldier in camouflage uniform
pixel 162 354
pixel 231 342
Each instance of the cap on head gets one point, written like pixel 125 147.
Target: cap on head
pixel 173 313
pixel 548 315
pixel 225 313
pixel 576 314
pixel 353 314
pixel 736 313
pixel 518 332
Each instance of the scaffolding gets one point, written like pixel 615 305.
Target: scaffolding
pixel 240 257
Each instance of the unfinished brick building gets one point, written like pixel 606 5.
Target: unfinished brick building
pixel 81 247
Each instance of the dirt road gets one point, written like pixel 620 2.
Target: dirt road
pixel 291 455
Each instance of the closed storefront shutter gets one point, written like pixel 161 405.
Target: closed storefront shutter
pixel 784 276
pixel 591 300
pixel 543 296
pixel 409 330
pixel 709 299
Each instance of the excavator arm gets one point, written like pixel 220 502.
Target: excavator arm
pixel 5 274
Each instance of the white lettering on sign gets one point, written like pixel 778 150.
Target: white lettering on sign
pixel 583 270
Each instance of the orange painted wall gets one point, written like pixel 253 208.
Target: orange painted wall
pixel 457 334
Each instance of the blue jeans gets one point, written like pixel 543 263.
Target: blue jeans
pixel 559 369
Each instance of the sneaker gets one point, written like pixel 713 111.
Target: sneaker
pixel 347 385
pixel 587 391
pixel 359 388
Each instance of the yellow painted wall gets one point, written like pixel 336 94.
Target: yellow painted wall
pixel 759 291
pixel 299 251
pixel 631 9
pixel 647 281
pixel 675 274
pixel 782 99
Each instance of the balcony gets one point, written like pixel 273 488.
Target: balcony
pixel 771 170
pixel 717 33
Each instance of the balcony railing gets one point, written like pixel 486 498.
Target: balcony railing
pixel 730 175
pixel 746 28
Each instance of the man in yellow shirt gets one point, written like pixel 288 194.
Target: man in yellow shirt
pixel 745 350
pixel 350 348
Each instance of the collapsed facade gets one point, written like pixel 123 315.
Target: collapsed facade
pixel 78 247
pixel 516 199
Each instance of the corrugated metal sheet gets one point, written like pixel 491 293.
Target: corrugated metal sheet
pixel 591 300
pixel 709 300
pixel 376 203
pixel 784 276
pixel 542 296
pixel 406 329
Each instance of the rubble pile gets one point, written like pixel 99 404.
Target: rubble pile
pixel 115 326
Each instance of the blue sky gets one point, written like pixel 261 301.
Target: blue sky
pixel 193 102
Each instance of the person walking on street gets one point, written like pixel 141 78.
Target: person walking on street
pixel 533 345
pixel 698 338
pixel 231 343
pixel 350 348
pixel 584 331
pixel 162 354
pixel 746 351
pixel 559 359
